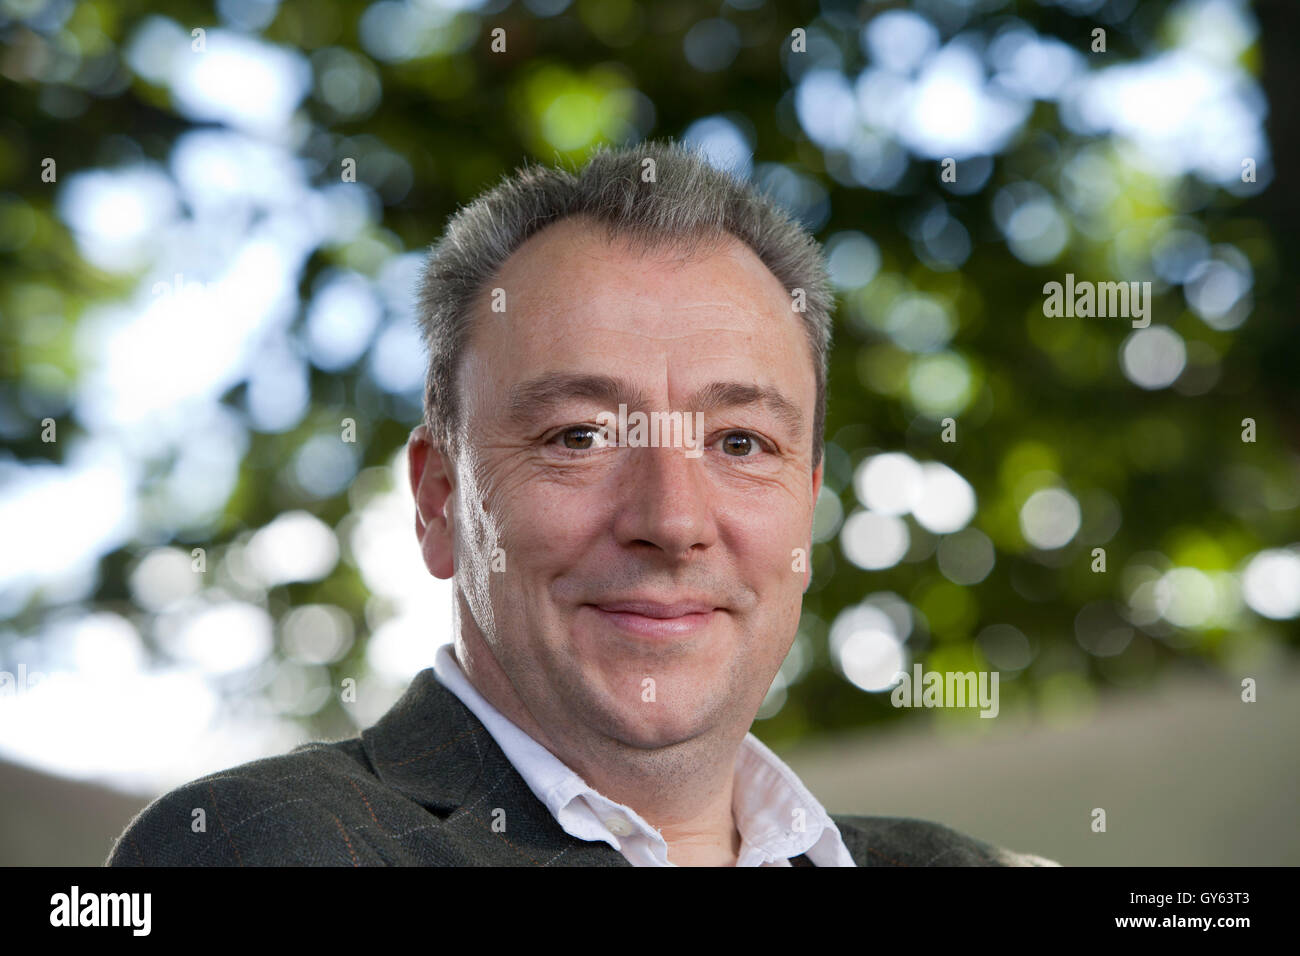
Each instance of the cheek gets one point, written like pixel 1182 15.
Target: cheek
pixel 544 531
pixel 476 535
pixel 772 539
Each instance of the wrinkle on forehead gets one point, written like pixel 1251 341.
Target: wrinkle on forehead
pixel 583 300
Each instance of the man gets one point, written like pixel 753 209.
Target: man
pixel 624 596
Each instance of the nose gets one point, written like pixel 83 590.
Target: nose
pixel 668 503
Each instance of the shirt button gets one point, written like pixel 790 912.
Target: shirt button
pixel 618 826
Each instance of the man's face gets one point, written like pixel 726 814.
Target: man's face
pixel 640 593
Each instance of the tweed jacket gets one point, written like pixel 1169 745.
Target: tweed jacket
pixel 428 786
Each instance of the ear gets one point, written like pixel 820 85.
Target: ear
pixel 431 484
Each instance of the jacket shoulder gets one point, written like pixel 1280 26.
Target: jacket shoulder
pixel 268 812
pixel 903 841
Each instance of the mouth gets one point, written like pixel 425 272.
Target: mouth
pixel 657 621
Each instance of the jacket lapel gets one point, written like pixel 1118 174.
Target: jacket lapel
pixel 432 749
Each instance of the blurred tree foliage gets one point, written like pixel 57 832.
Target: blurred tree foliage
pixel 1153 469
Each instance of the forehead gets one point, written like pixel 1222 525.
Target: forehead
pixel 574 297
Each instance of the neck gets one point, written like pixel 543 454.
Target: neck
pixel 685 791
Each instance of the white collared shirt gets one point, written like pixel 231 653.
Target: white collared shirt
pixel 776 815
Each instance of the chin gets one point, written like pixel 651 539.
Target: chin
pixel 661 723
pixel 647 736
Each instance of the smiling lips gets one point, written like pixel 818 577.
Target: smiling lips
pixel 658 620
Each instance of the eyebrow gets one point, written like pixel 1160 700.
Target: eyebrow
pixel 530 400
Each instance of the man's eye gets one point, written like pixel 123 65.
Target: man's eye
pixel 740 445
pixel 580 438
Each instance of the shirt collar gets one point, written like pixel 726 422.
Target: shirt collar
pixel 777 816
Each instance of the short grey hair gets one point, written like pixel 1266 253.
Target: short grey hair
pixel 690 202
